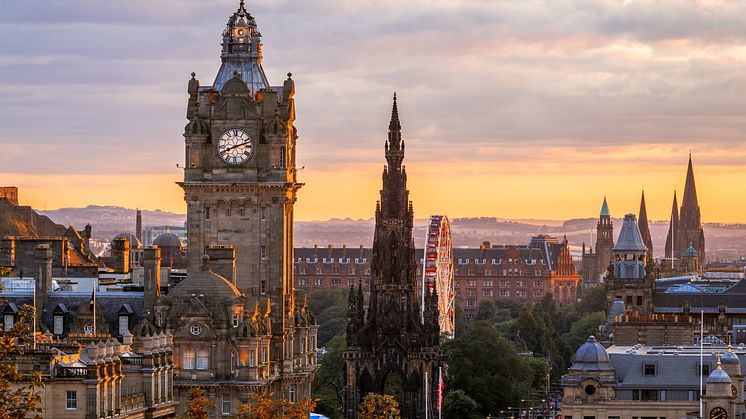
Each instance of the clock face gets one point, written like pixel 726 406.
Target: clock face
pixel 235 146
pixel 718 413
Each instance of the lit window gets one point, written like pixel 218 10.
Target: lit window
pixel 235 320
pixel 188 361
pixel 202 360
pixel 71 400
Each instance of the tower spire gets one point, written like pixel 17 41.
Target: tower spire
pixel 605 209
pixel 672 228
pixel 394 144
pixel 642 223
pixel 690 190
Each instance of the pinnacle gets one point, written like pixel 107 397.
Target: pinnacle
pixel 394 125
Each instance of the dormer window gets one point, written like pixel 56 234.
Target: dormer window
pixel 124 314
pixel 235 319
pixel 59 320
pixel 10 314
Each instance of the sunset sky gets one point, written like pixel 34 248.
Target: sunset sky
pixel 511 109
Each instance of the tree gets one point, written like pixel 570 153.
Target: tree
pixel 197 405
pixel 24 400
pixel 377 406
pixel 486 311
pixel 592 300
pixel 487 368
pixel 586 326
pixel 328 384
pixel 457 405
pixel 265 406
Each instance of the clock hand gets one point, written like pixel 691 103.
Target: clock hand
pixel 234 146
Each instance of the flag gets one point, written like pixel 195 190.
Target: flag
pixel 440 388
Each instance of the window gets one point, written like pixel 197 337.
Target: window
pixel 195 329
pixel 252 358
pixel 471 303
pixel 293 393
pixel 488 283
pixel 225 405
pixel 471 283
pixel 319 282
pixel 264 252
pixel 264 213
pixel 159 319
pixel 706 370
pixel 235 319
pixel 487 293
pixel 263 286
pixel 538 293
pixel 282 157
pixel 207 213
pixel 649 369
pixel 504 283
pixel 188 361
pixel 203 359
pixel 336 282
pixel 504 293
pixel 124 324
pixel 9 320
pixel 59 325
pixel 264 354
pixel 639 300
pixel 488 272
pixel 71 400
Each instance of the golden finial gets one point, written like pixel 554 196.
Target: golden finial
pixel 718 355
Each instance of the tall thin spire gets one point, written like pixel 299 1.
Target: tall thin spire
pixel 605 209
pixel 642 224
pixel 672 228
pixel 394 144
pixel 690 217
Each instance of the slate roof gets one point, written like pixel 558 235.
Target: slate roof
pixel 630 239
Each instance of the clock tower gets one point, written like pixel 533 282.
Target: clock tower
pixel 239 172
pixel 238 327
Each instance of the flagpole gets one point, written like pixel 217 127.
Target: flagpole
pixel 426 388
pixel 701 355
pixel 36 282
pixel 95 285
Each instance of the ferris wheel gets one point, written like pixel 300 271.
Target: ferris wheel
pixel 437 270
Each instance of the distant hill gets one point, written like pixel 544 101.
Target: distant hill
pixel 724 241
pixel 108 221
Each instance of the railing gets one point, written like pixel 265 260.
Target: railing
pixel 133 402
pixel 131 360
pixel 71 372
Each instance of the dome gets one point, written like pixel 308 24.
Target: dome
pixel 235 86
pixel 730 357
pixel 591 356
pixel 719 376
pixel 134 242
pixel 167 240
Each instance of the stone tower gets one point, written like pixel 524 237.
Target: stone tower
pixel 642 223
pixel 604 240
pixel 391 339
pixel 630 281
pixel 690 228
pixel 237 324
pixel 686 224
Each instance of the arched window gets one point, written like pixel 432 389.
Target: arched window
pixel 203 359
pixel 188 361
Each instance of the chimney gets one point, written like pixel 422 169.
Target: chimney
pixel 138 226
pixel 8 251
pixel 42 276
pixel 223 261
pixel 152 277
pixel 330 248
pixel 120 253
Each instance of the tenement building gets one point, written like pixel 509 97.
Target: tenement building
pixel 523 273
pixel 392 340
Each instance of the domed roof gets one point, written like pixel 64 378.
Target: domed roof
pixel 166 240
pixel 630 239
pixel 134 242
pixel 730 357
pixel 235 86
pixel 591 356
pixel 719 376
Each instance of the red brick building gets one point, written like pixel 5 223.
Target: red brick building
pixel 522 273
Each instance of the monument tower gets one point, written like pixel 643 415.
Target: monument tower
pixel 391 340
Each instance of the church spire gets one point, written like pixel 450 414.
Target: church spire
pixel 690 216
pixel 605 209
pixel 672 229
pixel 642 223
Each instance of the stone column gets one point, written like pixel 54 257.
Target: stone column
pixel 152 278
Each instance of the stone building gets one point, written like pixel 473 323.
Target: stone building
pixel 524 273
pixel 632 280
pixel 391 341
pixel 594 266
pixel 238 324
pixel 626 382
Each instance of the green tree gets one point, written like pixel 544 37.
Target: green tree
pixel 584 327
pixel 378 406
pixel 19 393
pixel 328 384
pixel 486 311
pixel 487 368
pixel 457 405
pixel 198 404
pixel 592 300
